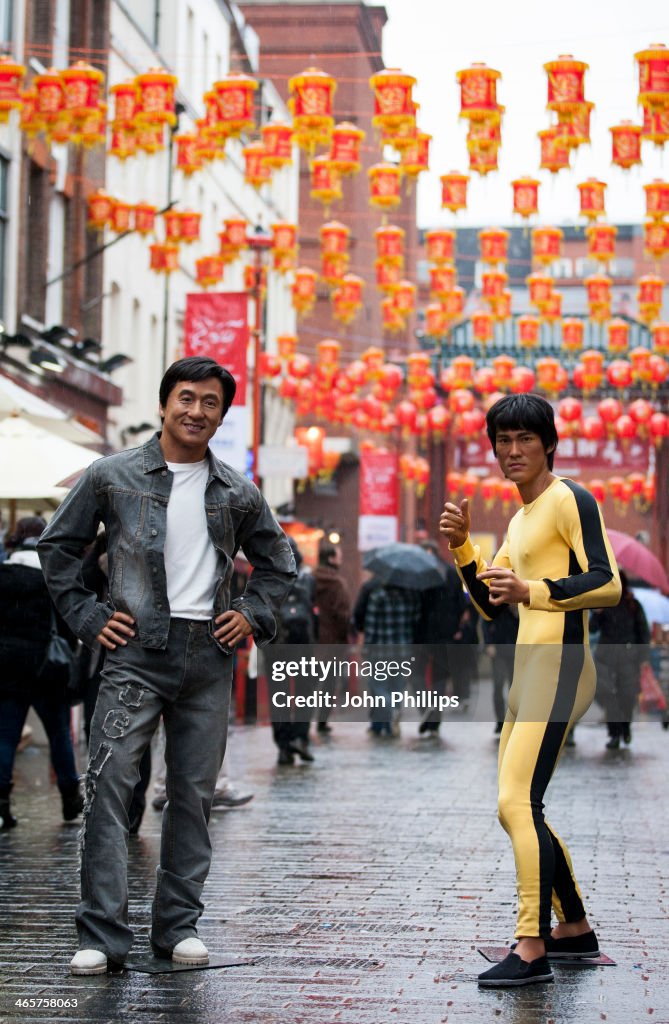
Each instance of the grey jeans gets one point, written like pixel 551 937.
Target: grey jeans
pixel 189 684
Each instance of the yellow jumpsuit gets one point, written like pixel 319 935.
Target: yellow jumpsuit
pixel 558 544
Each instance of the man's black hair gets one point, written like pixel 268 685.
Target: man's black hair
pixel 524 412
pixel 197 368
pixel 326 552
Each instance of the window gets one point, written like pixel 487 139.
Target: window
pixel 6 12
pixel 4 170
pixel 147 15
pixel 37 240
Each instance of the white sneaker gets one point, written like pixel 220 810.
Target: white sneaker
pixel 190 951
pixel 88 961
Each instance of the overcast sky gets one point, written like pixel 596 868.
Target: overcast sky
pixel 434 40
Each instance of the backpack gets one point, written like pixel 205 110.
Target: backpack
pixel 297 621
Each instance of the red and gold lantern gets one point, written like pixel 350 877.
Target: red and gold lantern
pixel 641 366
pixel 125 103
pixel 384 186
pixel 256 171
pixel 82 84
pixel 189 158
pixel 658 428
pixel 659 370
pixel 619 374
pixel 345 148
pixel 442 281
pixel 598 287
pixel 626 144
pixel 155 97
pixel 653 76
pixel 454 191
pixel 540 287
pixel 525 196
pixel 286 345
pixel 650 290
pixel 656 239
pixel 92 130
pixel 454 304
pixel 235 94
pixel 150 138
pixel 404 297
pixel 435 320
pixel 388 275
pixel 120 219
pixel 209 271
pixel 164 257
pixel 390 244
pixel 311 96
pixel 391 317
pixel 334 237
pixel 592 198
pixel 277 138
pixel 551 309
pixel 601 242
pixel 566 78
pixel 554 149
pixel 189 226
pixel 551 376
pixel 478 91
pixel 11 79
pixel 657 199
pixel 483 326
pixel 440 246
pixel 50 97
pixel 660 335
pixel 30 121
pixel 522 380
pixel 100 205
pixel 284 237
pixel 618 335
pixel 236 228
pixel 303 290
pixel 655 126
pixel 172 222
pixel 393 102
pixel 416 156
pixel 483 161
pixel 325 181
pixel 145 218
pixel 572 334
pixel 494 243
pixel 333 267
pixel 546 245
pixel 529 330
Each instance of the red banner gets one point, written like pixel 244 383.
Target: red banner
pixel 379 488
pixel 216 325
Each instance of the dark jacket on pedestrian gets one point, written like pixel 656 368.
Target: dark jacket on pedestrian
pixel 129 492
pixel 441 609
pixel 334 605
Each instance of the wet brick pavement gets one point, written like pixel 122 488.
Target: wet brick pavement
pixel 361 885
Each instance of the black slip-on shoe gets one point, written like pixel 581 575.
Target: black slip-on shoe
pixel 513 971
pixel 573 947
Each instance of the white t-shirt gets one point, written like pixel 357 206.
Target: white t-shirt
pixel 190 556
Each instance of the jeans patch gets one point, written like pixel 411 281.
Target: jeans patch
pixel 115 723
pixel 131 695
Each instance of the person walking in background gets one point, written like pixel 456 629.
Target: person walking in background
pixel 296 624
pixel 174 516
pixel 26 619
pixel 388 618
pixel 439 628
pixel 500 635
pixel 555 563
pixel 623 647
pixel 334 606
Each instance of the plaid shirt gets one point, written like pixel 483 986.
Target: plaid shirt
pixel 391 616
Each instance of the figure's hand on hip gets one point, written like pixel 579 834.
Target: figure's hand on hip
pixel 505 587
pixel 117 629
pixel 455 522
pixel 233 627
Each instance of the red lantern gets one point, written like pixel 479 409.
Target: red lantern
pixel 454 191
pixel 333 267
pixel 388 275
pixel 438 421
pixel 390 244
pixel 189 158
pixel 483 161
pixel 416 156
pixel 493 283
pixel 565 83
pixel 145 218
pixel 609 409
pixel 658 426
pixel 572 334
pixel 256 171
pixel 50 97
pixel 546 245
pixel 529 328
pixel 592 198
pixel 440 245
pixel 478 91
pixel 490 490
pixel 82 84
pixel 11 78
pixel 155 97
pixel 641 411
pixel 334 237
pixel 393 102
pixel 384 184
pixel 125 103
pixel 208 272
pixel 571 410
pixel 454 304
pixel 325 182
pixel 442 281
pixel 286 345
pixel 284 237
pixel 601 242
pixel 659 370
pixel 494 244
pixel 189 226
pixel 574 127
pixel 469 485
pixel 551 310
pixel 522 380
pixel 483 326
pixel 345 148
pixel 598 490
pixel 120 219
pixel 554 149
pixel 391 317
pixel 435 320
pixel 485 136
pixel 406 413
pixel 100 205
pixel 656 239
pixel 277 139
pixel 503 366
pixel 525 196
pixel 653 76
pixel 619 374
pixel 626 144
pixel 548 374
pixel 484 380
pixel 598 287
pixel 650 290
pixel 304 290
pixel 404 298
pixel 592 428
pixel 30 121
pixel 164 257
pixel 311 96
pixel 660 335
pixel 235 94
pixel 540 287
pixel 150 138
pixel 655 126
pixel 625 429
pixel 299 366
pixel 657 199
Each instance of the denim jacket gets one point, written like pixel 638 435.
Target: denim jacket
pixel 128 492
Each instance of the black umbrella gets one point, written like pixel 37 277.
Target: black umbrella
pixel 405 565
